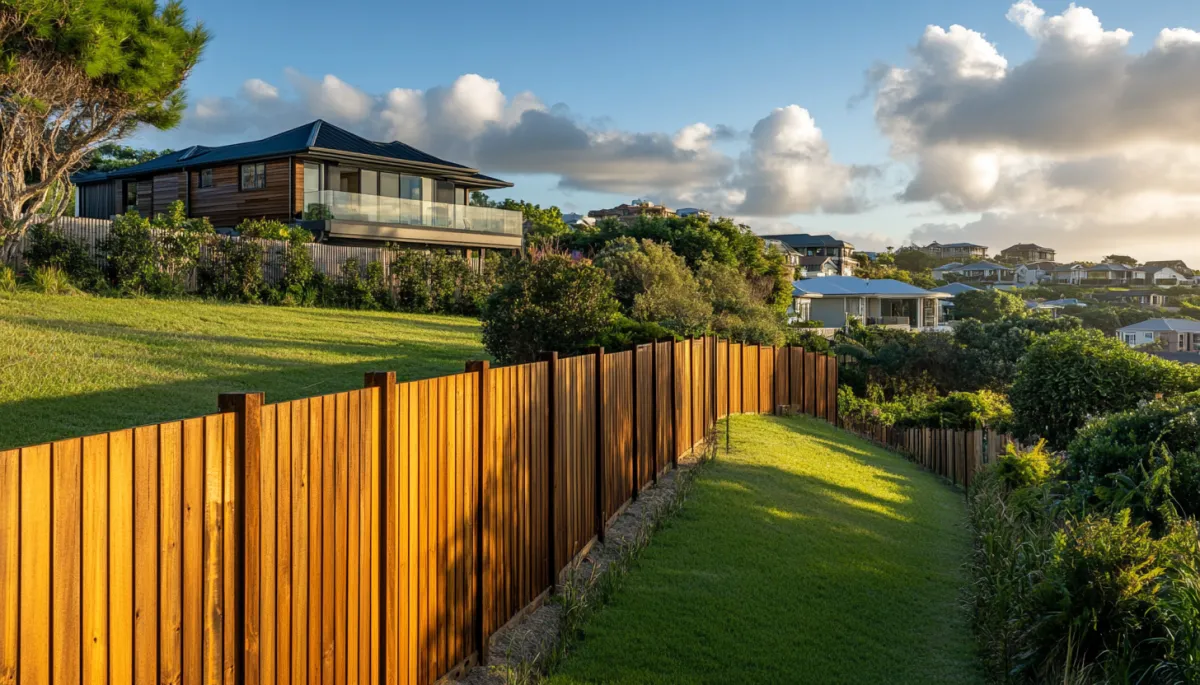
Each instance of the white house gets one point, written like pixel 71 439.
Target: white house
pixel 1160 275
pixel 1033 273
pixel 834 300
pixel 1180 335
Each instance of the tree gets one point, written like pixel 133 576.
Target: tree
pixel 655 285
pixel 77 74
pixel 111 156
pixel 481 199
pixel 1065 378
pixel 1120 259
pixel 987 305
pixel 547 303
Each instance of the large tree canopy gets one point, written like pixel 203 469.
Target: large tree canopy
pixel 75 74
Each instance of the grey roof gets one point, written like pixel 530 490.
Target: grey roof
pixel 953 288
pixel 852 286
pixel 1110 267
pixel 316 136
pixel 807 240
pixel 814 260
pixel 1069 267
pixel 1066 302
pixel 1178 325
pixel 958 245
pixel 1027 246
pixel 984 266
pixel 951 265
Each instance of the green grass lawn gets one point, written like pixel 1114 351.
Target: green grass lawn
pixel 805 556
pixel 73 366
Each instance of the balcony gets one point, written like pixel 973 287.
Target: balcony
pixel 340 206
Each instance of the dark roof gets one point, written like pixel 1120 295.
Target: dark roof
pixel 1027 246
pixel 807 240
pixel 814 260
pixel 955 244
pixel 1177 264
pixel 317 136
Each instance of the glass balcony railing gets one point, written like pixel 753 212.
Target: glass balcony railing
pixel 335 204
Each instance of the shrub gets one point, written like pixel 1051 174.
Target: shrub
pixel 655 284
pixel 129 249
pixel 1109 595
pixel 988 305
pixel 265 229
pixel 299 271
pixel 963 411
pixel 547 302
pixel 233 271
pixel 808 340
pixel 158 256
pixel 1067 377
pixel 1025 468
pixel 626 332
pixel 51 280
pixel 50 247
pixel 8 281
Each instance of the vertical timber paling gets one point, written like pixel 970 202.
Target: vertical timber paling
pixel 601 513
pixel 481 370
pixel 551 359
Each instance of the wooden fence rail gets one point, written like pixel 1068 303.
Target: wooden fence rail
pixel 381 535
pixel 953 454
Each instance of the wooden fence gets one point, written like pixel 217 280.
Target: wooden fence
pixel 327 259
pixel 380 535
pixel 953 454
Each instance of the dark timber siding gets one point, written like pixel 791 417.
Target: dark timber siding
pixel 99 200
pixel 167 189
pixel 225 205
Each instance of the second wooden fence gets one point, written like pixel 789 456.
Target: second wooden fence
pixel 953 454
pixel 381 535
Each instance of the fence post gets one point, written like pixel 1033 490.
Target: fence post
pixel 482 634
pixel 601 513
pixel 633 413
pixel 758 371
pixel 654 429
pixel 247 408
pixel 551 359
pixel 674 412
pixel 715 400
pixel 389 486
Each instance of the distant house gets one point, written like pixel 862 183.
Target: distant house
pixel 940 272
pixel 1177 264
pixel 1161 275
pixel 791 258
pixel 1151 298
pixel 1109 273
pixel 1033 272
pixel 955 250
pixel 578 220
pixel 1071 274
pixel 817 267
pixel 628 213
pixel 808 245
pixel 1180 335
pixel 692 211
pixel 1027 252
pixel 986 271
pixel 834 300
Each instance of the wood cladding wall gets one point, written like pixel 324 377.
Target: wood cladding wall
pixel 225 205
pixel 167 188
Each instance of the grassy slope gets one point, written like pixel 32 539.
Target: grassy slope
pixel 72 366
pixel 806 555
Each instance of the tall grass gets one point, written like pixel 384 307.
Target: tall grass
pixel 8 281
pixel 51 280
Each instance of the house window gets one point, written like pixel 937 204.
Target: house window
pixel 206 178
pixel 254 176
pixel 131 192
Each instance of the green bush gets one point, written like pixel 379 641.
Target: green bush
pixel 808 340
pixel 8 281
pixel 233 271
pixel 155 257
pixel 962 411
pixel 988 305
pixel 1065 378
pixel 1025 468
pixel 51 280
pixel 547 302
pixel 50 247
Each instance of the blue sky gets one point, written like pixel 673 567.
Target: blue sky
pixel 639 67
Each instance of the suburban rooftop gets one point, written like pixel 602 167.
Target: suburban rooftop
pixel 1179 325
pixel 839 286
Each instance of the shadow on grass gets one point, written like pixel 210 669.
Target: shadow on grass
pixel 801 559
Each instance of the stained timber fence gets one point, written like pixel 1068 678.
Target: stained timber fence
pixel 380 535
pixel 956 455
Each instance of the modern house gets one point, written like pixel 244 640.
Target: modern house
pixel 1033 272
pixel 628 213
pixel 955 250
pixel 807 245
pixel 834 300
pixel 1103 274
pixel 1161 275
pixel 940 272
pixel 1178 265
pixel 791 258
pixel 817 267
pixel 1150 298
pixel 347 188
pixel 1180 335
pixel 985 272
pixel 693 211
pixel 1026 252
